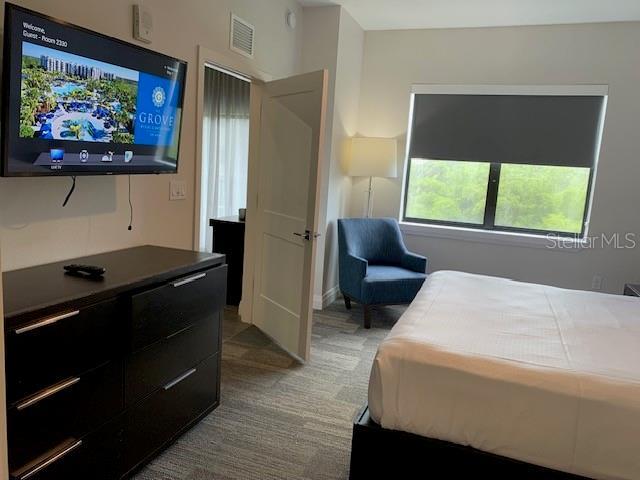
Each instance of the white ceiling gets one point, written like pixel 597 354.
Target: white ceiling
pixel 408 14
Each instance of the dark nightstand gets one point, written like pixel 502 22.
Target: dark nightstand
pixel 228 238
pixel 632 289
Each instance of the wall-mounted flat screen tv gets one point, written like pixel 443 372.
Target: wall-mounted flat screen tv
pixel 76 102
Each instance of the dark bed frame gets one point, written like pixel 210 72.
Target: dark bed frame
pixel 380 453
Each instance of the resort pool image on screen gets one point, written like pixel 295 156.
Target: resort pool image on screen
pixel 69 97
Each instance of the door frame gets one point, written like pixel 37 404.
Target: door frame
pixel 244 67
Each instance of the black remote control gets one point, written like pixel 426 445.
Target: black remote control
pixel 89 270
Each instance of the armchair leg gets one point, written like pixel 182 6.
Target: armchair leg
pixel 347 302
pixel 367 316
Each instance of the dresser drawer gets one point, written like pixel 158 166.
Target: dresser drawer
pixel 68 409
pixel 151 368
pixel 50 349
pixel 165 310
pixel 97 456
pixel 159 419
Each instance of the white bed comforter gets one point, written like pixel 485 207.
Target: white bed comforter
pixel 536 373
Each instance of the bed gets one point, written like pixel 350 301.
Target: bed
pixel 505 373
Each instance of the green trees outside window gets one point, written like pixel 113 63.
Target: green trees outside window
pixel 447 191
pixel 538 197
pixel 534 198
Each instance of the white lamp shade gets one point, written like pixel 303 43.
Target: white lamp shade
pixel 373 157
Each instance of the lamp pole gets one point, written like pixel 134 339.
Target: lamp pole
pixel 369 212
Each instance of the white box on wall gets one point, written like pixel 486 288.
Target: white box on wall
pixel 142 23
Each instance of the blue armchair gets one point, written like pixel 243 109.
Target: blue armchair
pixel 375 266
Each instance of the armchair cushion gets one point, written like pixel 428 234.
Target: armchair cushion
pixel 386 284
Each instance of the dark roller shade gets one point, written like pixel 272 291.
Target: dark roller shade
pixel 531 129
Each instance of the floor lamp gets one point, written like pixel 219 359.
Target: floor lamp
pixel 373 157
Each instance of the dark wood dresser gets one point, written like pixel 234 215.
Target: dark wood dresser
pixel 102 375
pixel 228 239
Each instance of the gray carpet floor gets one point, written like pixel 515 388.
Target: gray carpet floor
pixel 279 419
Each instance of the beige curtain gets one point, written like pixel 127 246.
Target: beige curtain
pixel 225 145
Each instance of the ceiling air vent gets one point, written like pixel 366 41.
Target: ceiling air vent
pixel 242 36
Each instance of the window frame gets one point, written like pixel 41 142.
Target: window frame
pixel 493 180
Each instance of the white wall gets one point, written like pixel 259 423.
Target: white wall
pixel 334 40
pixel 563 54
pixel 320 51
pixel 345 126
pixel 33 226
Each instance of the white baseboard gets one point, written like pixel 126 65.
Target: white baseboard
pixel 242 312
pixel 327 298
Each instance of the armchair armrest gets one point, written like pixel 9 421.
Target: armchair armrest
pixel 353 269
pixel 414 262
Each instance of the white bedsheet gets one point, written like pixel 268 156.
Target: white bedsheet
pixel 536 373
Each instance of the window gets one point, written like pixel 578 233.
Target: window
pixel 542 197
pixel 517 162
pixel 447 191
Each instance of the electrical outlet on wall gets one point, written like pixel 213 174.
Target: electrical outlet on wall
pixel 596 282
pixel 177 190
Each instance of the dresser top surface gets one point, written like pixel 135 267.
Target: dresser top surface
pixel 40 287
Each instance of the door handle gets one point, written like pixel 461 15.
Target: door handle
pixel 307 235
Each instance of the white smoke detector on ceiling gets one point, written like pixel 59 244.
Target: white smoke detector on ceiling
pixel 291 19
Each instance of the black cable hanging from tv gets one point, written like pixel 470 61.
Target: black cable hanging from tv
pixel 73 187
pixel 130 227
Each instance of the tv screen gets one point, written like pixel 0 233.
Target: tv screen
pixel 76 102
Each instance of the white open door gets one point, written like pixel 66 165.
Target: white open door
pixel 287 148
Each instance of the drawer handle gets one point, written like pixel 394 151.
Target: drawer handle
pixel 54 458
pixel 47 393
pixel 182 330
pixel 179 283
pixel 182 377
pixel 46 321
